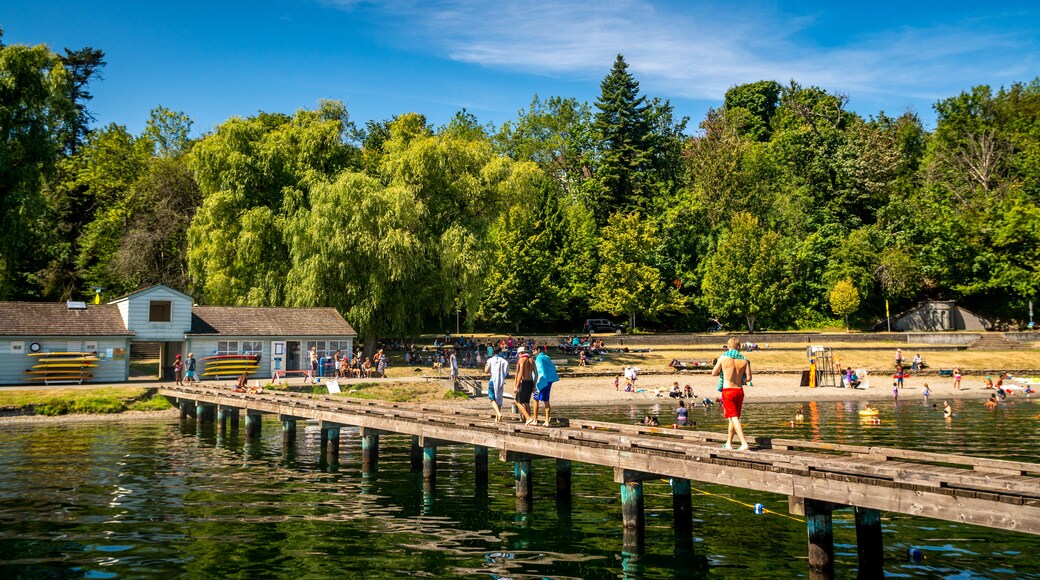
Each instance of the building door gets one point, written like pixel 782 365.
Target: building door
pixel 277 356
pixel 292 355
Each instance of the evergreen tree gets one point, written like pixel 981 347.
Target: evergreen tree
pixel 83 65
pixel 623 127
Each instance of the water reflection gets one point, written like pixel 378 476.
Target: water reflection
pixel 155 499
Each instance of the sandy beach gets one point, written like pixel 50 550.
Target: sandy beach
pixel 775 388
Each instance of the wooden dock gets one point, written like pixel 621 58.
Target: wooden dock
pixel 817 477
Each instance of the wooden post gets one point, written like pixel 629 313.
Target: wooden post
pixel 632 504
pixel 429 466
pixel 232 414
pixel 288 431
pixel 330 443
pixel 185 407
pixel 869 543
pixel 253 422
pixel 524 484
pixel 416 454
pixel 369 450
pixel 563 484
pixel 682 505
pixel 480 465
pixel 204 413
pixel 821 539
pixel 222 420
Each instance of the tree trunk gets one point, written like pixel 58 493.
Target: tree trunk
pixel 371 343
pixel 632 322
pixel 751 323
pixel 846 324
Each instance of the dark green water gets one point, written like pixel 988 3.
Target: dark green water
pixel 157 499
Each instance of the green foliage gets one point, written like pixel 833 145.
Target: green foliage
pixel 169 131
pixel 569 207
pixel 844 299
pixel 752 107
pixel 747 274
pixel 455 395
pixel 34 109
pixel 628 281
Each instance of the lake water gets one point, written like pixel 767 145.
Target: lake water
pixel 157 499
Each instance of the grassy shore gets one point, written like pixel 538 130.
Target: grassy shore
pixel 101 400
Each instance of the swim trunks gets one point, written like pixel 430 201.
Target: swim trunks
pixel 543 393
pixel 732 402
pixel 523 394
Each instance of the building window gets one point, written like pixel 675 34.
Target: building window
pixel 227 347
pixel 159 311
pixel 252 347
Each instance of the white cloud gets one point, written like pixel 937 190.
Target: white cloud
pixel 699 50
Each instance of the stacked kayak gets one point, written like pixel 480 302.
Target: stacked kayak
pixel 230 365
pixel 62 367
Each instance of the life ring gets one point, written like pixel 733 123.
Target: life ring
pixel 868 412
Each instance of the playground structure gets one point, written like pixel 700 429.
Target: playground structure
pixel 827 375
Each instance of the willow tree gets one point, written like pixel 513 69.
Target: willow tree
pixel 400 245
pixel 255 175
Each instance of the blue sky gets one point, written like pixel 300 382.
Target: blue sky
pixel 216 59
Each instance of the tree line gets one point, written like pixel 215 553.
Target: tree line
pixel 783 209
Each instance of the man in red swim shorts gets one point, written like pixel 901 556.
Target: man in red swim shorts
pixel 733 371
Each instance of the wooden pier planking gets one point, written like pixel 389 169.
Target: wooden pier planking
pixel 979 491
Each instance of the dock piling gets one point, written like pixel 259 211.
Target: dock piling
pixel 869 543
pixel 369 450
pixel 480 465
pixel 682 505
pixel 288 430
pixel 416 454
pixel 429 465
pixel 563 485
pixel 253 421
pixel 524 483
pixel 818 521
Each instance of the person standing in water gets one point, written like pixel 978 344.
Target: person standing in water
pixel 734 371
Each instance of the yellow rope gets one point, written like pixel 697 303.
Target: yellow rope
pixel 764 510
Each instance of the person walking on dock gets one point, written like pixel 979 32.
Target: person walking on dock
pixel 498 367
pixel 734 371
pixel 189 369
pixel 547 375
pixel 524 385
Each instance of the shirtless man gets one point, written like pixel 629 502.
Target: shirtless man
pixel 734 371
pixel 524 384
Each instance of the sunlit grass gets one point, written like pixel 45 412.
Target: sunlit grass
pixel 103 400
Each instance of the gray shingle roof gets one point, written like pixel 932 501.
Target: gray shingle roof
pixel 249 321
pixel 55 319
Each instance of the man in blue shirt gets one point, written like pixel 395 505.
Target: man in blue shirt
pixel 546 370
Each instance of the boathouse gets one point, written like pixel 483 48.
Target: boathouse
pixel 139 336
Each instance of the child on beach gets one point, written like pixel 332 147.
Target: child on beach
pixel 957 378
pixel 926 392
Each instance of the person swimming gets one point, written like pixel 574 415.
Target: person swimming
pixel 799 415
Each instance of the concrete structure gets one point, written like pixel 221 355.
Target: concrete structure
pixel 163 322
pixel 936 315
